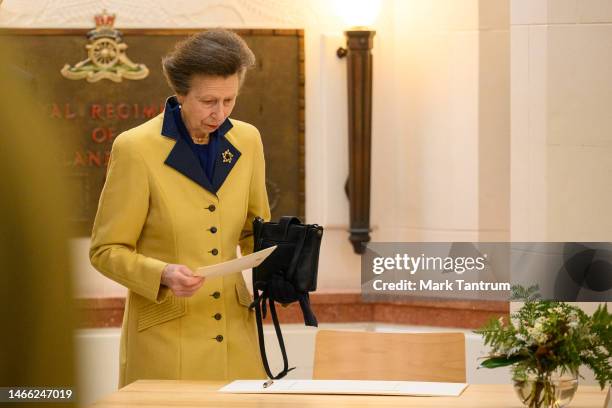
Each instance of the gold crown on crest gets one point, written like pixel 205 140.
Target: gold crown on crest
pixel 106 57
pixel 104 27
pixel 104 20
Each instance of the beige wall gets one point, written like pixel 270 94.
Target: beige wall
pixel 494 120
pixel 452 160
pixel 561 122
pixel 561 127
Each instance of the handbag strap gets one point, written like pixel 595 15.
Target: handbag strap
pixel 287 221
pixel 281 343
pixel 296 255
pixel 309 317
pixel 279 336
pixel 257 233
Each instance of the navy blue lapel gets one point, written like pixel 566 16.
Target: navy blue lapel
pixel 181 157
pixel 226 157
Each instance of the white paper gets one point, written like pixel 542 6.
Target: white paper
pixel 359 387
pixel 235 265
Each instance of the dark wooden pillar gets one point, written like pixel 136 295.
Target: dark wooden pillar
pixel 359 68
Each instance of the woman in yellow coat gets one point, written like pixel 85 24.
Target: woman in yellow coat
pixel 181 192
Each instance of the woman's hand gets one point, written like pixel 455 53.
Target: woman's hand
pixel 181 280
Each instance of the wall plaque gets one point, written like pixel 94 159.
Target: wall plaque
pixel 91 114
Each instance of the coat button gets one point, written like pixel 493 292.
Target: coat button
pixel 213 230
pixel 214 251
pixel 219 338
pixel 216 295
pixel 212 208
pixel 217 316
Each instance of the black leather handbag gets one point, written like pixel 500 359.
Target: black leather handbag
pixel 287 275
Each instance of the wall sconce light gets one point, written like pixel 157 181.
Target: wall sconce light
pixel 358 53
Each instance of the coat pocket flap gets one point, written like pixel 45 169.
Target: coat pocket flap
pixel 242 292
pixel 155 313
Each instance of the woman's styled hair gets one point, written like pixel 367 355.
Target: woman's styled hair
pixel 215 52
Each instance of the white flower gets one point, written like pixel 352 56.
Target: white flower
pixel 514 350
pixel 502 349
pixel 537 333
pixel 588 353
pixel 541 320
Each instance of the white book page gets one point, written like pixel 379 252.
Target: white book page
pixel 347 387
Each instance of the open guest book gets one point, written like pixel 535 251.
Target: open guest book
pixel 355 387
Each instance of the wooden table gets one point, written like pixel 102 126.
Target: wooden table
pixel 184 394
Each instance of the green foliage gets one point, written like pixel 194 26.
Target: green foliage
pixel 496 362
pixel 521 294
pixel 544 336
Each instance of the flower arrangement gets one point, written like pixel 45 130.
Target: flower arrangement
pixel 546 338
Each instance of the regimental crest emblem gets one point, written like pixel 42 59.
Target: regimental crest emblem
pixel 227 156
pixel 106 57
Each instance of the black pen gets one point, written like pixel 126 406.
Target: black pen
pixel 268 383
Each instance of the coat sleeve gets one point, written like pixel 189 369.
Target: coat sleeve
pixel 122 212
pixel 258 197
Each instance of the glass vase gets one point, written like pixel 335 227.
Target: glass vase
pixel 546 390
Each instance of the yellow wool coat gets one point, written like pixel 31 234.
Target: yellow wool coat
pixel 158 207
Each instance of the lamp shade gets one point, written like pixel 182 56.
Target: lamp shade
pixel 357 13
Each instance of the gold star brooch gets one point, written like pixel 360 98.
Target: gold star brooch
pixel 227 156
